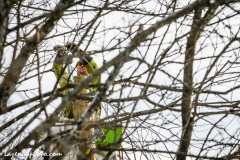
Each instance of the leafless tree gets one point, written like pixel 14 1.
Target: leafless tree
pixel 170 74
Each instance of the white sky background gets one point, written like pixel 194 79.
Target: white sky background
pixel 118 19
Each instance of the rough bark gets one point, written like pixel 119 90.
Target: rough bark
pixel 197 27
pixel 11 78
pixel 5 7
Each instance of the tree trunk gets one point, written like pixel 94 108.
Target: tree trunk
pixel 197 27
